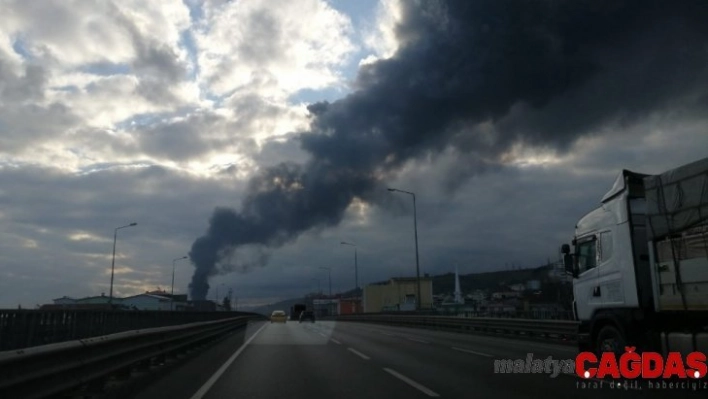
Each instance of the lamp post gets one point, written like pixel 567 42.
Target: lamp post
pixel 113 262
pixel 172 291
pixel 329 269
pixel 356 268
pixel 415 232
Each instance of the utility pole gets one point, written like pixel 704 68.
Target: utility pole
pixel 113 262
pixel 415 230
pixel 356 267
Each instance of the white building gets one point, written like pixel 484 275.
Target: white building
pixel 517 287
pixel 533 285
pixel 147 302
pixel 505 295
pixel 477 296
pixel 65 300
pixel 96 300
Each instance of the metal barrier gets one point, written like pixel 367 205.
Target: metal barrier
pixel 48 370
pixel 550 329
pixel 27 328
pixel 526 314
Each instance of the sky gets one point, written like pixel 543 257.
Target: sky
pixel 254 136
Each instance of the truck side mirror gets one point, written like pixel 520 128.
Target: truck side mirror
pixel 568 261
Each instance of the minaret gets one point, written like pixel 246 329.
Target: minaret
pixel 458 292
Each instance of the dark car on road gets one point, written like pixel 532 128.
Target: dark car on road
pixel 307 315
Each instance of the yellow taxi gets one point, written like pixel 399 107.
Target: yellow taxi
pixel 278 316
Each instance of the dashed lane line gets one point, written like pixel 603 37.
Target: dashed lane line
pixel 472 352
pixel 412 383
pixel 356 352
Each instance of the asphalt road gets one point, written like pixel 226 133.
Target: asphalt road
pixel 357 360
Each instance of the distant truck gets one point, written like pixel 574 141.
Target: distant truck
pixel 295 311
pixel 640 264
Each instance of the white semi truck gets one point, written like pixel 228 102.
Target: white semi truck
pixel 640 264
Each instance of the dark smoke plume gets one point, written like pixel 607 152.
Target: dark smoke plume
pixel 474 78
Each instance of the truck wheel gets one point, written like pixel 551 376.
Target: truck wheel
pixel 610 339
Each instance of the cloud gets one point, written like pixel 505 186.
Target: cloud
pixel 380 36
pixel 69 219
pixel 121 82
pixel 87 67
pixel 460 66
pixel 508 126
pixel 280 48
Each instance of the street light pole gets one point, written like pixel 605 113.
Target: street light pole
pixel 356 267
pixel 329 269
pixel 113 262
pixel 415 230
pixel 172 291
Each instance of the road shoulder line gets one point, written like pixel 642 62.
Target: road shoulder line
pixel 212 380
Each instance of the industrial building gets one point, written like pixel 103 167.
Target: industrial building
pixel 398 294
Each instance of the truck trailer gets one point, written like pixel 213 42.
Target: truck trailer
pixel 640 264
pixel 295 311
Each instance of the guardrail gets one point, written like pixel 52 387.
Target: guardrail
pixel 49 370
pixel 532 314
pixel 27 328
pixel 562 330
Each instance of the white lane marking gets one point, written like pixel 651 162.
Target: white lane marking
pixel 322 334
pixel 417 340
pixel 472 352
pixel 335 341
pixel 207 385
pixel 411 383
pixel 356 352
pixel 385 333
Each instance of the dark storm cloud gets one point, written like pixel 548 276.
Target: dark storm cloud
pixel 537 73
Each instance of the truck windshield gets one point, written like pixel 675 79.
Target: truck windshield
pixel 587 255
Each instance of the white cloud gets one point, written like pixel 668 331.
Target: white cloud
pixel 275 47
pixel 85 85
pixel 75 33
pixel 380 37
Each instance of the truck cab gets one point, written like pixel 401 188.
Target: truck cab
pixel 621 288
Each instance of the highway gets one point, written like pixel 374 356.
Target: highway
pixel 356 360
